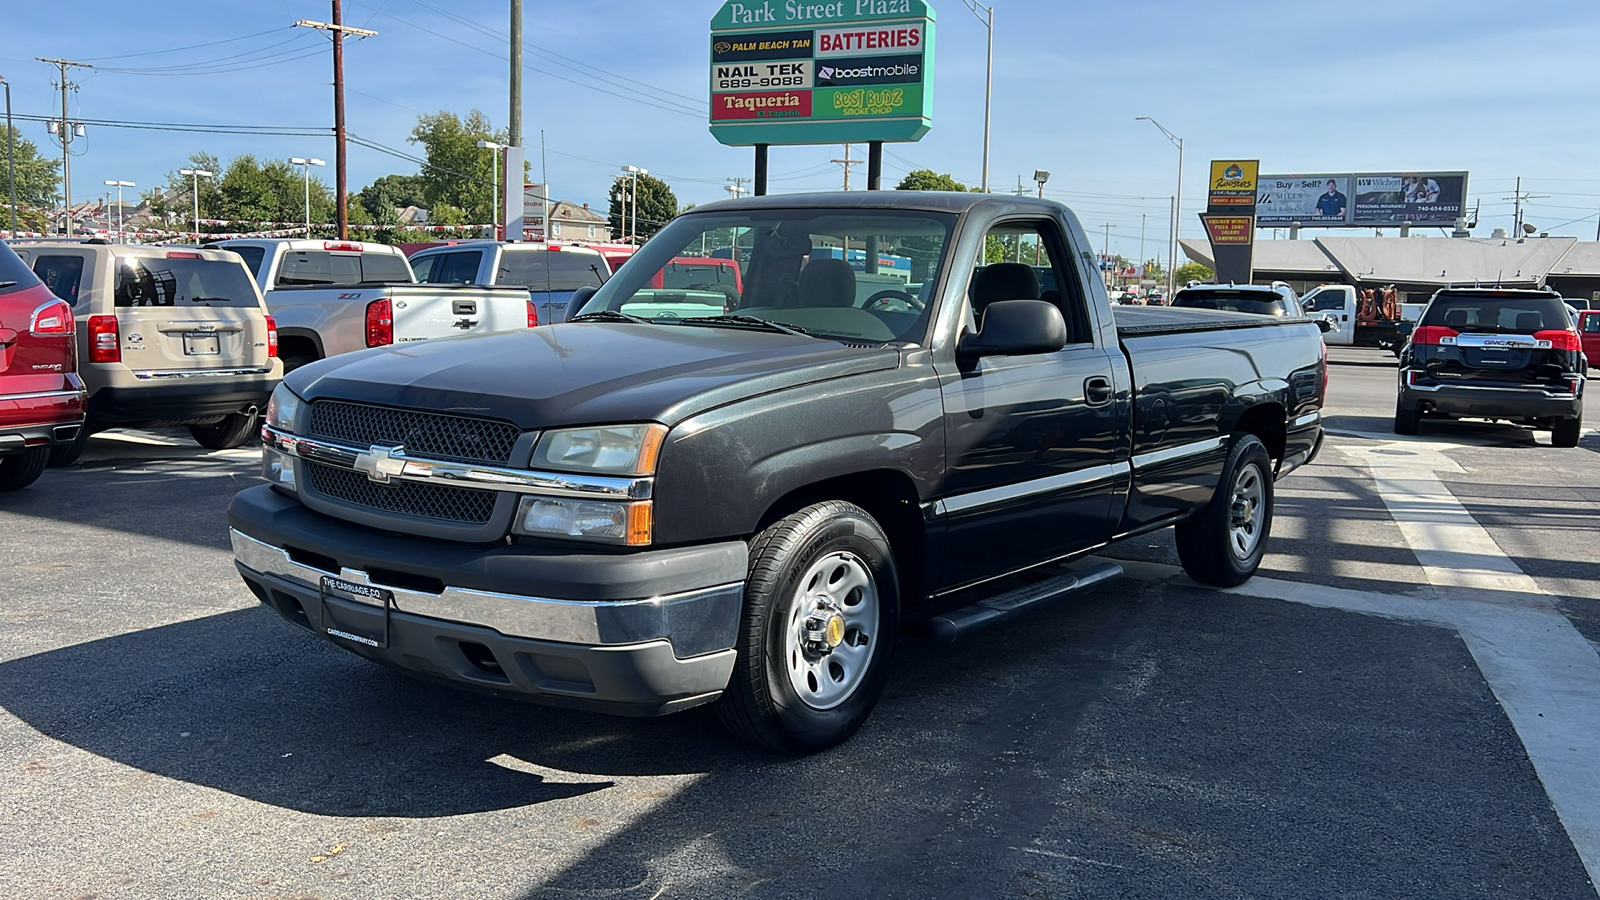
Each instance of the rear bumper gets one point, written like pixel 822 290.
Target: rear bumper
pixel 502 619
pixel 1489 402
pixel 180 398
pixel 39 419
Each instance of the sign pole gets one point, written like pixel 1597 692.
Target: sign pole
pixel 875 166
pixel 761 170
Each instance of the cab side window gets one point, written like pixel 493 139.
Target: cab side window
pixel 422 267
pixel 1025 260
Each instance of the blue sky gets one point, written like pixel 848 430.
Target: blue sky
pixel 1498 89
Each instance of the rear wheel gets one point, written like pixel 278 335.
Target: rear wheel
pixel 1565 432
pixel 233 431
pixel 1405 421
pixel 1223 543
pixel 822 609
pixel 22 469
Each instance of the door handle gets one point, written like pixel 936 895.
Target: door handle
pixel 1097 390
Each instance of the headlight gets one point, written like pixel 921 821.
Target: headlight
pixel 612 450
pixel 595 520
pixel 283 410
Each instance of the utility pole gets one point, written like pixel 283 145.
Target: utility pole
pixel 66 131
pixel 10 152
pixel 985 15
pixel 341 202
pixel 847 162
pixel 1106 255
pixel 516 78
pixel 1520 198
pixel 736 187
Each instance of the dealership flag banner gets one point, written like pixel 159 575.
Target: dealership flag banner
pixel 793 72
pixel 1230 218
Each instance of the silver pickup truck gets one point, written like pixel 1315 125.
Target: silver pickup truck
pixel 331 297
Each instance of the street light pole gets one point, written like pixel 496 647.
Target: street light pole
pixel 635 171
pixel 119 185
pixel 305 163
pixel 494 179
pixel 988 81
pixel 198 174
pixel 1177 203
pixel 11 159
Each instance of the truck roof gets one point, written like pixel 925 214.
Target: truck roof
pixel 932 201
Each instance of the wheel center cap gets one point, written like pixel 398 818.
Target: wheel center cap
pixel 824 631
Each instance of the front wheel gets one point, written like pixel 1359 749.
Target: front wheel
pixel 821 612
pixel 234 430
pixel 1564 433
pixel 19 470
pixel 1224 542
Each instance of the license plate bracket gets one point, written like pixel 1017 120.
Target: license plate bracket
pixel 201 343
pixel 358 613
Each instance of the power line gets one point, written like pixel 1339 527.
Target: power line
pixel 180 49
pixel 249 56
pixel 286 130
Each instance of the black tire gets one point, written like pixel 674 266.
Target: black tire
pixel 19 470
pixel 1564 433
pixel 67 453
pixel 1405 420
pixel 290 363
pixel 233 431
pixel 1206 540
pixel 761 704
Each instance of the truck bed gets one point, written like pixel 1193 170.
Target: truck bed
pixel 1148 320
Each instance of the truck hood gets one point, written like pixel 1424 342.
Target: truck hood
pixel 585 373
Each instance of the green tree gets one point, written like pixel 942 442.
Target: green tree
pixel 929 180
pixel 1192 271
pixel 459 172
pixel 38 179
pixel 391 192
pixel 657 205
pixel 1154 270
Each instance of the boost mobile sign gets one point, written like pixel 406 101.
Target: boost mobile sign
pixel 793 72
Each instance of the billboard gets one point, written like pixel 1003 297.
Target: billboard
pixel 1362 200
pixel 1230 214
pixel 821 73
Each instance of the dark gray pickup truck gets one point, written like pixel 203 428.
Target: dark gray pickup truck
pixel 660 504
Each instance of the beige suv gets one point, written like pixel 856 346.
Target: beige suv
pixel 166 336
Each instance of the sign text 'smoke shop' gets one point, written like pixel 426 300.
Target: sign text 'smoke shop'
pixel 793 72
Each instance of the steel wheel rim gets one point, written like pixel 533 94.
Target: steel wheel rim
pixel 838 585
pixel 1247 512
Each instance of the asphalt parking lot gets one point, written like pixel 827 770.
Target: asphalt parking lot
pixel 1404 703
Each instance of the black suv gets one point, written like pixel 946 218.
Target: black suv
pixel 1496 354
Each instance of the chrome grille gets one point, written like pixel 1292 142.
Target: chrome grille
pixel 425 434
pixel 428 501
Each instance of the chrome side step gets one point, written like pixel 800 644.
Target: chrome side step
pixel 971 619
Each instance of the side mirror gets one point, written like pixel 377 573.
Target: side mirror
pixel 1404 329
pixel 1324 325
pixel 1016 328
pixel 579 298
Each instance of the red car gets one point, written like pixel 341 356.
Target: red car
pixel 41 397
pixel 1589 332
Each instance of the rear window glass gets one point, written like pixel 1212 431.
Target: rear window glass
pixel 14 273
pixel 694 275
pixel 558 270
pixel 144 281
pixel 252 256
pixel 452 268
pixel 302 267
pixel 1261 303
pixel 1497 315
pixel 62 274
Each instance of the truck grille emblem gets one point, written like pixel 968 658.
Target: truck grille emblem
pixel 381 463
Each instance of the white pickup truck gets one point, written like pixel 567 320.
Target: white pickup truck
pixel 331 297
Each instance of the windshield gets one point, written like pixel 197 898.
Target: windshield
pixel 1264 303
pixel 842 275
pixel 1499 314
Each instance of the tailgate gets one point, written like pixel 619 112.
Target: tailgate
pixel 442 311
pixel 184 312
pixel 1510 360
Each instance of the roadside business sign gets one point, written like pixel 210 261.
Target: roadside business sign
pixel 1362 200
pixel 793 72
pixel 1230 217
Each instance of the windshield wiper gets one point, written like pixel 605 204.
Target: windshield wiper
pixel 6 284
pixel 610 315
pixel 752 321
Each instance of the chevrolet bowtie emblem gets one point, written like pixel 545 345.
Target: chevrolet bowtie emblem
pixel 381 463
